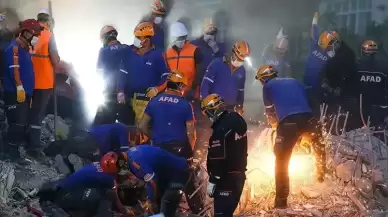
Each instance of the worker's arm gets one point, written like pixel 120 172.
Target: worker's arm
pixel 164 72
pixel 53 51
pixel 269 107
pixel 16 67
pixel 241 90
pixel 264 55
pixel 143 171
pixel 190 126
pixel 199 71
pixel 123 76
pixel 314 34
pixel 209 78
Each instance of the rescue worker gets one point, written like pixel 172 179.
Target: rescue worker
pixel 228 72
pixel 109 62
pixel 372 81
pixel 185 57
pixel 209 46
pixel 288 111
pixel 172 121
pixel 143 70
pixel 318 56
pixel 227 155
pixel 276 55
pixel 158 15
pixel 44 57
pixel 19 84
pixel 164 173
pixel 92 190
pixel 100 140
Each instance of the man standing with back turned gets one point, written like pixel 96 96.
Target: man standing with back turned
pixel 44 57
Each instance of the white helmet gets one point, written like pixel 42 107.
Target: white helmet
pixel 44 11
pixel 178 29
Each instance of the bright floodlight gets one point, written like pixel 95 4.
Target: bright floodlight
pixel 248 60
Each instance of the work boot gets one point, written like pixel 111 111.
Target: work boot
pixel 280 203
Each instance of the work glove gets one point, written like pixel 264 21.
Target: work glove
pixel 239 109
pixel 213 45
pixel 20 94
pixel 152 92
pixel 130 212
pixel 121 98
pixel 315 19
pixel 211 187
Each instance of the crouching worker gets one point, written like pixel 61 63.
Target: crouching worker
pixel 172 121
pixel 227 155
pixel 91 191
pixel 99 141
pixel 288 110
pixel 164 173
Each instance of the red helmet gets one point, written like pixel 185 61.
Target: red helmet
pixel 32 26
pixel 113 162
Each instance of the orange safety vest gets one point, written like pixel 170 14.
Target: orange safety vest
pixel 183 61
pixel 44 70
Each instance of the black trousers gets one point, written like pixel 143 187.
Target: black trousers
pixel 183 149
pixel 17 117
pixel 288 132
pixel 40 100
pixel 112 111
pixel 227 194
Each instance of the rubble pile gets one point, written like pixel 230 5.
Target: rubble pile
pixel 357 166
pixel 19 185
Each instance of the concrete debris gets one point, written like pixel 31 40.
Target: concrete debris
pixel 355 184
pixel 48 135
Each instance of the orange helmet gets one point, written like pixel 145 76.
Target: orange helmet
pixel 209 26
pixel 369 47
pixel 178 77
pixel 241 50
pixel 113 162
pixel 265 72
pixel 158 8
pixel 107 29
pixel 144 29
pixel 211 103
pixel 328 39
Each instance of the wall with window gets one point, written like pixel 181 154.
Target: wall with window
pixel 355 15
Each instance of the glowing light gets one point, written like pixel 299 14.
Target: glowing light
pixel 83 56
pixel 248 60
pixel 261 163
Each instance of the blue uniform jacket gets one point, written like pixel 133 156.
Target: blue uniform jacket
pixel 280 63
pixel 169 113
pixel 90 176
pixel 207 53
pixel 157 168
pixel 159 38
pixel 140 72
pixel 109 62
pixel 110 136
pixel 316 60
pixel 221 80
pixel 284 97
pixel 23 64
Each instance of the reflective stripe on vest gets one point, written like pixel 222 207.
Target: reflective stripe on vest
pixel 183 61
pixel 43 68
